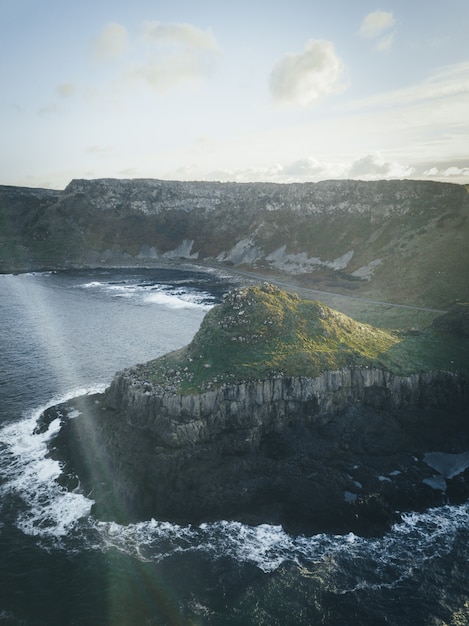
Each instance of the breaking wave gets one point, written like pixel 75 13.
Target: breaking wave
pixel 61 519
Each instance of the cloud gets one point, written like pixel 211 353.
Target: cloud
pixel 302 79
pixel 452 81
pixel 450 172
pixel 162 73
pixel 385 43
pixel 375 23
pixel 373 166
pixel 310 169
pixel 187 35
pixel 111 44
pixel 175 53
pixel 66 90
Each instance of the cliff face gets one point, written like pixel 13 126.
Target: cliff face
pixel 342 452
pixel 402 240
pixel 250 410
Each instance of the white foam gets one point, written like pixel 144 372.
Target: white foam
pixel 389 559
pixel 60 517
pixel 161 295
pixel 50 510
pixel 176 301
pixel 92 285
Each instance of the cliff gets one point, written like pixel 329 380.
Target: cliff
pixel 191 439
pixel 402 241
pixel 343 452
pixel 246 412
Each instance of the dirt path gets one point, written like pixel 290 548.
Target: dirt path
pixel 308 290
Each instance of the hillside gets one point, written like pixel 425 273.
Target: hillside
pixel 260 332
pixel 398 241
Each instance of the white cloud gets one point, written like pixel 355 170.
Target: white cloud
pixel 385 43
pixel 163 72
pixel 301 79
pixel 449 172
pixel 373 166
pixel 186 34
pixel 311 169
pixel 111 43
pixel 376 23
pixel 176 53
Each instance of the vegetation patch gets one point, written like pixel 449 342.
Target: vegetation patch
pixel 262 331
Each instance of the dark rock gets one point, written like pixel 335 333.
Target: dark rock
pixel 342 463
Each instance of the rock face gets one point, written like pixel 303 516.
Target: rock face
pixel 337 453
pixel 395 240
pixel 256 408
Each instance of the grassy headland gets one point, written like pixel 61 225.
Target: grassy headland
pixel 262 331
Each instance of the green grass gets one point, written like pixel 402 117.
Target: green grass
pixel 261 331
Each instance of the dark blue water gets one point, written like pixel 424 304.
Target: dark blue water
pixel 64 334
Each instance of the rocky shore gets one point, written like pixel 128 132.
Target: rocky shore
pixel 344 451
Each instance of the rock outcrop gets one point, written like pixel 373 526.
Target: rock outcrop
pixel 206 433
pixel 342 452
pixel 244 413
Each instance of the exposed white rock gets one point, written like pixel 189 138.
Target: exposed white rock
pixel 245 251
pixel 366 272
pixel 301 262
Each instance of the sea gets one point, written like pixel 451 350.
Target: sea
pixel 64 334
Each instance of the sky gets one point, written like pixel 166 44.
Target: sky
pixel 290 91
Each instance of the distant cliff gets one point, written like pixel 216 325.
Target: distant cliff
pixel 395 240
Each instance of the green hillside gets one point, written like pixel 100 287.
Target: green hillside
pixel 261 331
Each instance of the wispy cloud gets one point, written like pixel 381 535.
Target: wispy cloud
pixel 447 82
pixel 302 79
pixel 66 90
pixel 375 25
pixel 163 55
pixel 385 43
pixel 186 35
pixel 177 53
pixel 111 44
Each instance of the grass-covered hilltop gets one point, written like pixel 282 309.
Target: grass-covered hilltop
pixel 262 331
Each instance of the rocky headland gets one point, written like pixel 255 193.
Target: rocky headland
pixel 281 411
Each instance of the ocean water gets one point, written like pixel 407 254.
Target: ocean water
pixel 64 334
